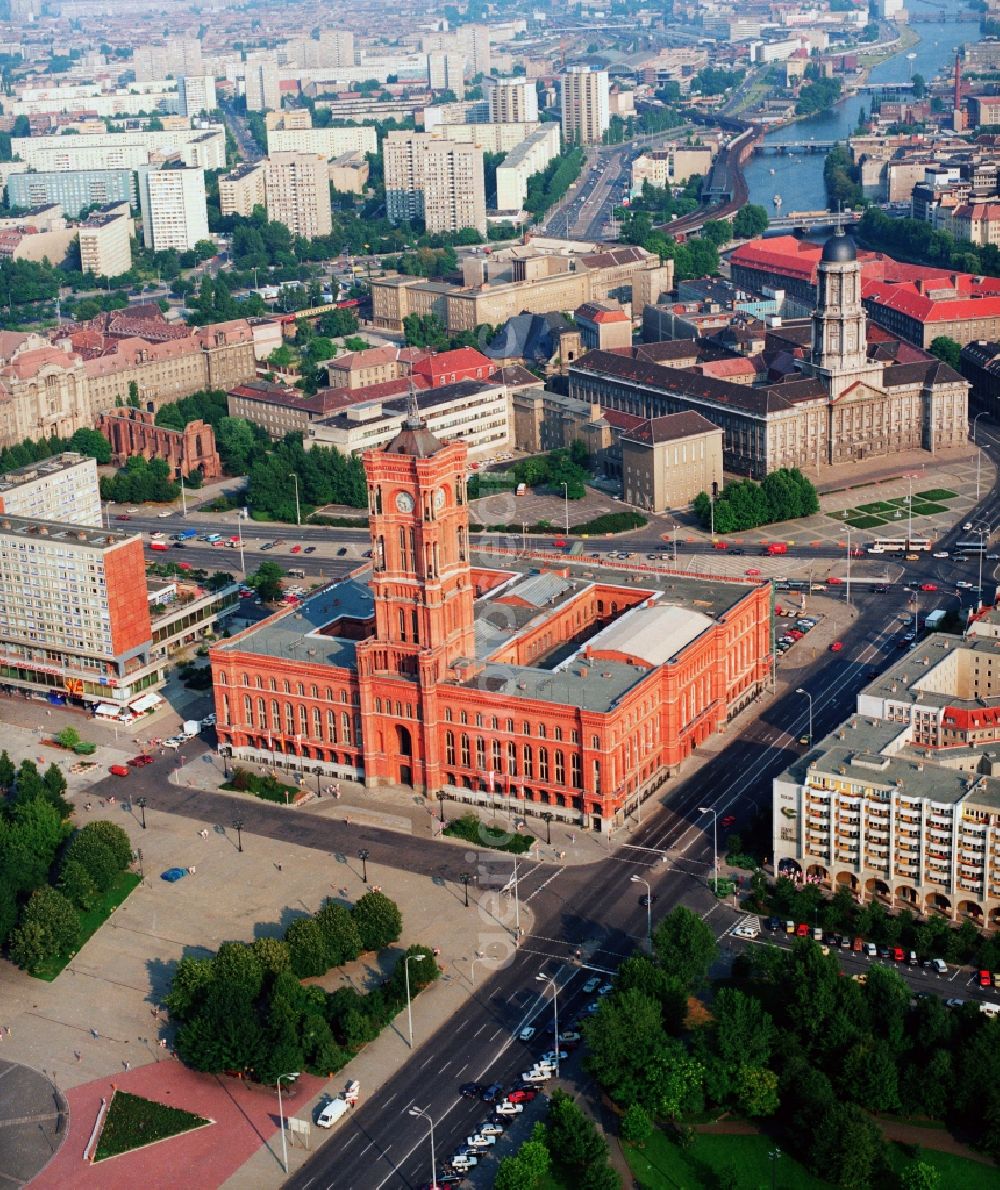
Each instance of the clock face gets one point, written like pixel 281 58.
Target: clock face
pixel 404 502
pixel 439 498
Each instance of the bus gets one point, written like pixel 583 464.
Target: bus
pixel 978 546
pixel 899 545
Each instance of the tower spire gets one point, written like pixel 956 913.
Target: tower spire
pixel 413 419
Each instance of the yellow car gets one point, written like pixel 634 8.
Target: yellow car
pixel 913 557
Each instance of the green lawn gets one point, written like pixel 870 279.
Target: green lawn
pixel 935 494
pixel 742 1163
pixel 91 921
pixel 133 1122
pixel 878 506
pixel 865 522
pixel 927 509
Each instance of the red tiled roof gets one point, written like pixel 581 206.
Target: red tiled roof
pixel 464 363
pixel 621 421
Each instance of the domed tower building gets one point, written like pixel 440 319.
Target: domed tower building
pixel 839 325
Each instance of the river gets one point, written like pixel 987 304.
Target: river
pixel 798 177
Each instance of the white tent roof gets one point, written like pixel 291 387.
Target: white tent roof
pixel 651 634
pixel 146 702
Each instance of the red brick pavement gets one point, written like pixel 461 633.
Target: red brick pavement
pixel 245 1118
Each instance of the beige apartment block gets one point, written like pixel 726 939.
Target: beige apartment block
pixel 105 245
pixel 667 461
pixel 439 181
pixel 586 110
pixel 670 166
pixel 446 72
pixel 202 147
pixel 331 142
pixel 491 138
pixel 243 189
pixel 293 117
pixel 298 193
pixel 349 173
pixel 531 156
pixel 540 283
pixel 263 90
pixel 511 100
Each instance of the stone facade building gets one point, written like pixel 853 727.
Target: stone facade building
pixel 843 402
pixel 667 461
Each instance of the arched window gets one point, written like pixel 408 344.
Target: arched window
pixel 466 756
pixel 345 727
pixel 261 714
pixel 275 715
pixel 246 679
pixel 557 733
pixel 331 726
pixel 259 682
pixel 448 715
pixel 559 767
pixel 272 684
pixel 224 681
pixel 449 747
pixel 289 719
pixel 248 709
pixel 543 764
pixel 495 756
pixel 225 709
pixel 528 766
pixel 577 771
pixel 480 753
pixel 378 706
pixel 317 724
pixel 300 690
pixel 314 691
pixel 511 759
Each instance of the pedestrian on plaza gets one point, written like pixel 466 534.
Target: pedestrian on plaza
pixel 78 1055
pixel 278 865
pixel 336 789
pixel 128 1065
pixel 94 1034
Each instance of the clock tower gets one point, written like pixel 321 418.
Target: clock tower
pixel 419 521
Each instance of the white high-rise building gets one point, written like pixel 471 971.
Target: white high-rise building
pixel 197 94
pixel 336 48
pixel 262 87
pixel 172 201
pixel 297 186
pixel 511 100
pixel 446 72
pixel 439 181
pixel 586 105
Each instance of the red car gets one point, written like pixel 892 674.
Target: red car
pixel 119 770
pixel 985 979
pixel 836 646
pixel 524 1096
pixel 137 762
pixel 560 542
pixel 729 820
pixel 795 634
pixel 720 545
pixel 833 581
pixel 122 516
pixel 928 586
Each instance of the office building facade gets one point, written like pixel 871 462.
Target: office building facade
pixel 439 181
pixel 511 100
pixel 297 189
pixel 174 213
pixel 586 105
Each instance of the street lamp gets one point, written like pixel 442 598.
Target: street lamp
pixel 141 803
pixel 551 980
pixel 547 818
pixel 238 828
pixel 363 856
pixel 419 1111
pixel 810 697
pixel 281 1116
pixel 517 903
pixel 715 842
pixel 649 908
pixel 464 878
pixel 406 971
pixel 298 513
pixel 979 453
pixel 441 798
pixel 565 488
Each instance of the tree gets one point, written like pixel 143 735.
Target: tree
pixel 340 933
pixel 112 836
pixel 749 221
pixel 572 1133
pixel 948 350
pixel 717 231
pixel 272 954
pixel 266 581
pixel 919 1175
pixel 685 946
pixel 756 1091
pixel 7 771
pixel 307 948
pixel 49 927
pixel 636 1126
pixel 624 1036
pixel 378 920
pixel 528 1168
pixel 93 443
pixel 191 981
pixel 54 789
pixel 919 86
pixel 97 859
pixel 78 884
pixel 744 1032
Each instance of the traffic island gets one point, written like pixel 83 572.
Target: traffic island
pixel 132 1122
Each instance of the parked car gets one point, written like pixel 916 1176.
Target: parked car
pixel 480 1140
pixel 526 1033
pixel 985 979
pixel 331 1112
pixel 836 646
pixel 509 1108
pixel 138 762
pixel 119 770
pixel 523 1095
pixel 470 1090
pixel 491 1093
pixel 591 986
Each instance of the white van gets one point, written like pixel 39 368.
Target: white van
pixel 989 1008
pixel 332 1113
pixel 940 966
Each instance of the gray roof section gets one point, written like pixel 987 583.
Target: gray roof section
pixel 296 635
pixel 604 685
pixel 541 589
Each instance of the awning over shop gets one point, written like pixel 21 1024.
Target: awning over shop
pixel 107 708
pixel 146 703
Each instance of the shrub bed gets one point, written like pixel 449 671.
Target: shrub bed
pixel 133 1122
pixel 268 788
pixel 470 828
